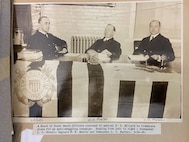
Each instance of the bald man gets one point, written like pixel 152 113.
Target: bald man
pixel 156 47
pixel 109 47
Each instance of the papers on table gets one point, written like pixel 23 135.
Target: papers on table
pixel 108 53
pixel 138 57
pixel 29 55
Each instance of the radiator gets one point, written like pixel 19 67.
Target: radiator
pixel 80 43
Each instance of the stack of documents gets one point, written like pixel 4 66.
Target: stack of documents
pixel 138 57
pixel 27 55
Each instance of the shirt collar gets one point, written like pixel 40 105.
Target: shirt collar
pixel 106 39
pixel 154 35
pixel 42 32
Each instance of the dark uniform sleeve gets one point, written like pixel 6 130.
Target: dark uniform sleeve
pixel 168 50
pixel 117 52
pixel 58 42
pixel 93 46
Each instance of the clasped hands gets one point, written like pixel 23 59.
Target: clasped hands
pixel 61 50
pixel 96 58
pixel 158 58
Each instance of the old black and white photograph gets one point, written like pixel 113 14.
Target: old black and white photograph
pixel 115 61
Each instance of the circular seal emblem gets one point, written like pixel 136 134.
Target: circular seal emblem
pixel 34 85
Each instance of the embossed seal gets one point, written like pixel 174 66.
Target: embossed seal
pixel 34 85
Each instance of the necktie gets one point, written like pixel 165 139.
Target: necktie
pixel 152 37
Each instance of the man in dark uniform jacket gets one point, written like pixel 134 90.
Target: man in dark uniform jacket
pixel 51 48
pixel 50 45
pixel 156 47
pixel 108 46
